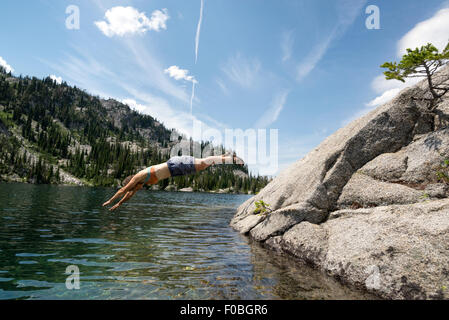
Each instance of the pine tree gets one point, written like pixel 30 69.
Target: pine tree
pixel 420 63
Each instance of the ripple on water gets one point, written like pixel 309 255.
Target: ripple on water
pixel 94 240
pixel 28 262
pixel 160 245
pixel 26 254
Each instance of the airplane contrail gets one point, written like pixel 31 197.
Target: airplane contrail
pixel 198 30
pixel 192 97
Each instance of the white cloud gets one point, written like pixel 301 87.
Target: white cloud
pixel 380 84
pixel 241 70
pixel 312 59
pixel 384 98
pixel 222 86
pixel 134 105
pixel 143 71
pixel 179 74
pixel 6 66
pixel 287 42
pixel 192 96
pixel 347 11
pixel 182 74
pixel 58 80
pixel 152 71
pixel 272 114
pixel 83 71
pixel 386 90
pixel 128 20
pixel 161 109
pixel 434 30
pixel 198 30
pixel 141 83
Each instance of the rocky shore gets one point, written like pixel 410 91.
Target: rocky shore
pixel 369 206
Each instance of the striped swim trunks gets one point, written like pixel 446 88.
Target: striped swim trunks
pixel 181 166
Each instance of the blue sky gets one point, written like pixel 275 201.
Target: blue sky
pixel 305 68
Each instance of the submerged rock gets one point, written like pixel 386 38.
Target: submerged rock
pixel 365 205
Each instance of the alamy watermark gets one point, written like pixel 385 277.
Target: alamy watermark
pixel 258 147
pixel 373 20
pixel 72 22
pixel 373 280
pixel 73 280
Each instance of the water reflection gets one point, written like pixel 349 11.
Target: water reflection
pixel 159 246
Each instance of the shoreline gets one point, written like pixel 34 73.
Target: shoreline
pixel 115 187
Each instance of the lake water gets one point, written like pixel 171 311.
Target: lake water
pixel 160 245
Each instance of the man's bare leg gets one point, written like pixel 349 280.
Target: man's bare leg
pixel 127 196
pixel 130 186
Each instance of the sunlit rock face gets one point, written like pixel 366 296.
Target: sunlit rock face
pixel 368 205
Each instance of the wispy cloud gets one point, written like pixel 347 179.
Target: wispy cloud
pixel 242 71
pixel 347 12
pixel 222 86
pixel 315 55
pixel 120 21
pixel 152 71
pixel 5 65
pixel 287 41
pixel 161 109
pixel 192 96
pixel 198 30
pixel 82 69
pixel 273 112
pixel 149 91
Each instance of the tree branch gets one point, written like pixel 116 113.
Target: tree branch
pixel 432 63
pixel 440 88
pixel 416 76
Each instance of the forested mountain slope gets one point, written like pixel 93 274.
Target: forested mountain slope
pixel 52 133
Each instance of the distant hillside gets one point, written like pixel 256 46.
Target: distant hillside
pixel 58 134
